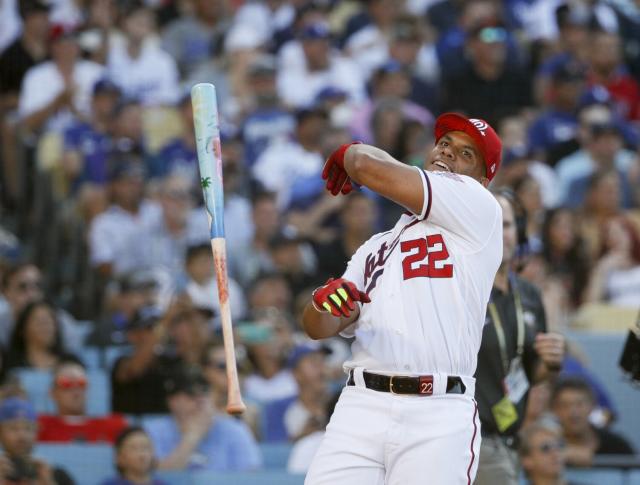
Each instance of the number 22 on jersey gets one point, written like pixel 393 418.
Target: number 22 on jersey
pixel 430 249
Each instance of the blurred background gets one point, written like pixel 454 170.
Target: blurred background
pixel 108 300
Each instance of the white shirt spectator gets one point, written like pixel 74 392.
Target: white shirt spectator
pixel 281 163
pixel 299 87
pixel 152 78
pixel 43 83
pixel 261 21
pixel 295 418
pixel 369 48
pixel 161 249
pixel 262 391
pixel 112 230
pixel 206 296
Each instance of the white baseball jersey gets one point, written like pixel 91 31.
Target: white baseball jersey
pixel 429 280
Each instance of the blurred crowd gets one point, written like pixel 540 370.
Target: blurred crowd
pixel 104 243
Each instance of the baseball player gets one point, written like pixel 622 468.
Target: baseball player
pixel 415 299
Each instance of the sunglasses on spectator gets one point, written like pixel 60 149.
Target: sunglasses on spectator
pixel 549 446
pixel 71 383
pixel 29 285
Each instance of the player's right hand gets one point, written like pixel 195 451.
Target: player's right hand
pixel 338 297
pixel 334 173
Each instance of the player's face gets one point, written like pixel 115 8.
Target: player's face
pixel 509 232
pixel 456 152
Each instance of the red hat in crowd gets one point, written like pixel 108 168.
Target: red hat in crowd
pixel 480 131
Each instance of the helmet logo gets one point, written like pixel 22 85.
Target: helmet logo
pixel 480 125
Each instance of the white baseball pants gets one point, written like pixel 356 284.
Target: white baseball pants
pixel 377 438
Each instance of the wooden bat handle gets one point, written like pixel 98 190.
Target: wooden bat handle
pixel 234 396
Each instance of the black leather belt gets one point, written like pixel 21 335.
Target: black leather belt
pixel 420 385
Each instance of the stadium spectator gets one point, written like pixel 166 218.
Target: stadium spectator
pixel 500 88
pixel 70 422
pixel 369 46
pixel 607 69
pixel 124 297
pixel 111 231
pixel 21 55
pixel 542 453
pixel 69 81
pixel 37 339
pixel 270 379
pixel 248 260
pixel 572 401
pixel 87 143
pixel 269 291
pixel 266 120
pixel 23 283
pixel 214 370
pixel 179 154
pixel 601 147
pixel 305 448
pixel 558 123
pixel 615 278
pixel 18 430
pixel 138 65
pixel 357 221
pixel 300 158
pixel 306 414
pixel 194 437
pixel 323 67
pixel 202 286
pixel 137 379
pixel 169 235
pixel 293 258
pixel 390 83
pixel 191 39
pixel 134 459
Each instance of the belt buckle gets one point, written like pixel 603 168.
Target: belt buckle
pixel 391 385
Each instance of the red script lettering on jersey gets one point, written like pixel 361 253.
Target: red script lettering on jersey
pixel 433 250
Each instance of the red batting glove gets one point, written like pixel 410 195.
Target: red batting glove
pixel 334 173
pixel 338 297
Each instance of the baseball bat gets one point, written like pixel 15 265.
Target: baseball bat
pixel 207 128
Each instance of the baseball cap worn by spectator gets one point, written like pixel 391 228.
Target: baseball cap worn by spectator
pixel 302 350
pixel 187 381
pixel 145 317
pixel 315 31
pixel 27 7
pixel 14 408
pixel 106 86
pixel 481 133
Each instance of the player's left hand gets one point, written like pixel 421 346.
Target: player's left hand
pixel 550 348
pixel 334 173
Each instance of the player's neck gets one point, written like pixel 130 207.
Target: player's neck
pixel 501 280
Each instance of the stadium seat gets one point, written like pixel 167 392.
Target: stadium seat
pixel 88 464
pixel 36 384
pixel 633 478
pixel 596 477
pixel 99 396
pixel 275 455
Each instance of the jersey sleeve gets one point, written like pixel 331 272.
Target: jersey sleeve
pixel 462 206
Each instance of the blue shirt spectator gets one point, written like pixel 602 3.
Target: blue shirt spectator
pixel 193 437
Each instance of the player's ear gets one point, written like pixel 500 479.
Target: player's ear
pixel 484 181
